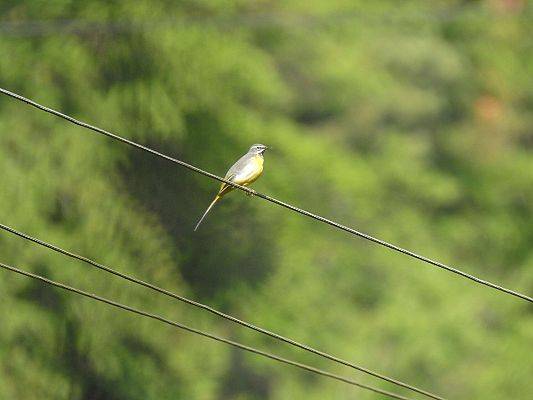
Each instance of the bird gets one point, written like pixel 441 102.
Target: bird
pixel 244 172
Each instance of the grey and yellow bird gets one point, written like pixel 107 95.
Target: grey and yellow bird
pixel 244 172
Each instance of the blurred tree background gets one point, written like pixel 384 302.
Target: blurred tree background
pixel 411 121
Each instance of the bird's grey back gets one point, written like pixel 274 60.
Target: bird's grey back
pixel 239 164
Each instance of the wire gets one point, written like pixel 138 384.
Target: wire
pixel 216 312
pixel 271 199
pixel 202 333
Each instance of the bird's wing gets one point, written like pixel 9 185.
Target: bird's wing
pixel 238 166
pixel 225 188
pixel 243 172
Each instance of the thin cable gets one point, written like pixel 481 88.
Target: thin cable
pixel 271 199
pixel 202 333
pixel 216 312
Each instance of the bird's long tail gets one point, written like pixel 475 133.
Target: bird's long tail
pixel 217 198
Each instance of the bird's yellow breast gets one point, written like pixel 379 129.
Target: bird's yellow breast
pixel 250 171
pixel 257 170
pixel 259 160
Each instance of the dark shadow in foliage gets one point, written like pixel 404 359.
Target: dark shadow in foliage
pixel 86 382
pixel 140 348
pixel 369 297
pixel 65 210
pixel 123 63
pixel 233 245
pixel 242 380
pixel 41 293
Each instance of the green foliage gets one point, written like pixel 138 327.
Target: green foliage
pixel 408 121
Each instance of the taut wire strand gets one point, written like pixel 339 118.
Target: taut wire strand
pixel 216 312
pixel 200 332
pixel 271 199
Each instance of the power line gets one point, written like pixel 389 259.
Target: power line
pixel 271 199
pixel 216 312
pixel 202 333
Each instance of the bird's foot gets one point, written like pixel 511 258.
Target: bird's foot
pixel 251 193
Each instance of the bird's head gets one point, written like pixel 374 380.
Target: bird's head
pixel 258 149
